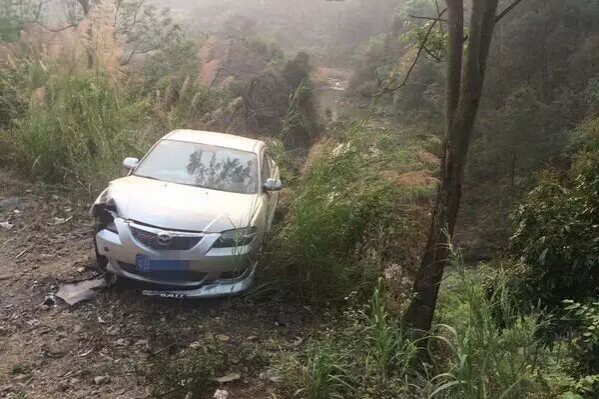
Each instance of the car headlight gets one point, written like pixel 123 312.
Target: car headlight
pixel 236 237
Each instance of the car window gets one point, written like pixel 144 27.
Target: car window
pixel 265 169
pixel 201 165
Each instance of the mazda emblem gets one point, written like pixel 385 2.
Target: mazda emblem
pixel 164 239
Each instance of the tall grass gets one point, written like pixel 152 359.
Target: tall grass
pixel 364 354
pixel 78 132
pixel 349 219
pixel 367 354
pixel 496 352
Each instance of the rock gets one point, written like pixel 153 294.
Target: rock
pixel 101 380
pixel 141 342
pixel 6 225
pixel 122 342
pixel 221 394
pixel 222 338
pixel 228 378
pixel 195 345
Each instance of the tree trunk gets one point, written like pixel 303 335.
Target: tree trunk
pixel 462 98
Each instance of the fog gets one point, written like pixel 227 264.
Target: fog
pixel 329 30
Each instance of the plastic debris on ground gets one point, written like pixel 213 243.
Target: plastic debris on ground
pixel 81 291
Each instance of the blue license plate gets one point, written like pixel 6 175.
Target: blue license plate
pixel 144 264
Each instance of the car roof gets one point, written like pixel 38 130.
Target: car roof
pixel 216 139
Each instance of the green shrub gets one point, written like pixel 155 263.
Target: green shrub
pixel 78 131
pixel 301 125
pixel 583 320
pixel 352 216
pixel 495 352
pixel 12 101
pixel 557 233
pixel 363 354
pixel 366 353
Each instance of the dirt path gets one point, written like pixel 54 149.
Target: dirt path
pixel 122 344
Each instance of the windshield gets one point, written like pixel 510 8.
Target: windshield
pixel 201 165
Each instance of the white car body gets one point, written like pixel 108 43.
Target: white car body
pixel 192 224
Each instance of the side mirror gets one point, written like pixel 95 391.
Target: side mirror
pixel 273 185
pixel 130 163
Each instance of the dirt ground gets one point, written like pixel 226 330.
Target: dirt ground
pixel 108 347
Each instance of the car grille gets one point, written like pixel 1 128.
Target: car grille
pixel 165 275
pixel 177 243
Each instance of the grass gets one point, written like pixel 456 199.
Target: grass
pixel 194 369
pixel 352 215
pixel 77 128
pixel 494 354
pixel 191 370
pixel 365 353
pixel 77 132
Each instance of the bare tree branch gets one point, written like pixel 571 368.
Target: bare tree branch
pixel 137 51
pixel 507 10
pixel 421 48
pixel 55 30
pixel 433 56
pixel 428 18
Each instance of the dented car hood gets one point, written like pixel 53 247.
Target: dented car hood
pixel 181 207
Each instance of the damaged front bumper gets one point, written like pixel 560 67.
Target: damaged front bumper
pixel 191 268
pixel 216 289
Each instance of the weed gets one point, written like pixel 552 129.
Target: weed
pixel 352 216
pixel 363 354
pixel 21 369
pixel 189 371
pixel 494 355
pixel 78 133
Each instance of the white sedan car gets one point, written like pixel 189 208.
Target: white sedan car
pixel 191 216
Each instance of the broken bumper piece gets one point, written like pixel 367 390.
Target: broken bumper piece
pixel 216 289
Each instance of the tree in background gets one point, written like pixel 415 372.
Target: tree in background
pixel 140 27
pixel 463 90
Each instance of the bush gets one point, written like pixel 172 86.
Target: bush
pixel 363 354
pixel 366 353
pixel 168 79
pixel 354 215
pixel 12 102
pixel 583 320
pixel 557 232
pixel 494 352
pixel 78 131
